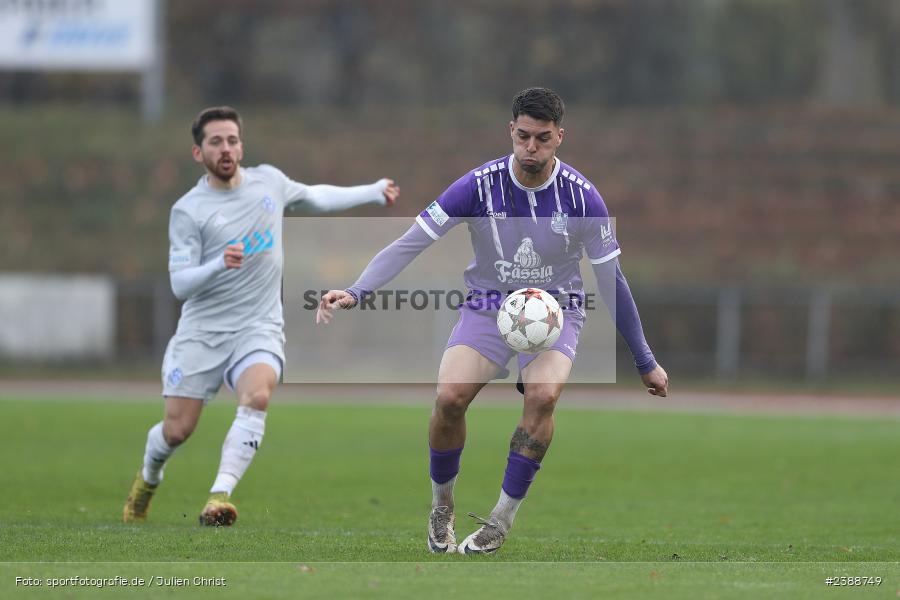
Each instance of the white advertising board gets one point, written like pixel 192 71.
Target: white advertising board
pixel 52 317
pixel 85 35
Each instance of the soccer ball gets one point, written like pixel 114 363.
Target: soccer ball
pixel 530 320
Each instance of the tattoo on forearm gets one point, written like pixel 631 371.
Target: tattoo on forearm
pixel 522 441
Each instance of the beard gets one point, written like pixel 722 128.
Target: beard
pixel 223 169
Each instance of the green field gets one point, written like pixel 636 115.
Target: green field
pixel 335 505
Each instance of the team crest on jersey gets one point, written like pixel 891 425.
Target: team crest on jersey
pixel 526 266
pixel 558 222
pixel 268 204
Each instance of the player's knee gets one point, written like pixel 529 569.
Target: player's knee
pixel 452 401
pixel 541 399
pixel 176 433
pixel 256 399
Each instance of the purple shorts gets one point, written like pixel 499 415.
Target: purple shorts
pixel 478 329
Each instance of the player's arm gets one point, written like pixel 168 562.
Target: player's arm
pixel 322 198
pixel 186 275
pixel 191 281
pixel 615 293
pixel 435 221
pixel 386 265
pixel 603 251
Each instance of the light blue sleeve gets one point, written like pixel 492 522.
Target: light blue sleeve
pixel 322 198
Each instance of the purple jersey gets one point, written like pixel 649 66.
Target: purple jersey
pixel 522 237
pixel 525 237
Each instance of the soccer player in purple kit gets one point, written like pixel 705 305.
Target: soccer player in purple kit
pixel 530 217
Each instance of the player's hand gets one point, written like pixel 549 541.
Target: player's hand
pixel 335 299
pixel 391 192
pixel 234 256
pixel 657 382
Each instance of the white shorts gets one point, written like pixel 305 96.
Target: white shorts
pixel 257 357
pixel 196 364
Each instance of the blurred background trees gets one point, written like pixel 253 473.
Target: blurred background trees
pixel 739 142
pixel 349 53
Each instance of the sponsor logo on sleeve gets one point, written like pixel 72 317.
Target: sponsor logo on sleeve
pixel 606 234
pixel 179 258
pixel 437 214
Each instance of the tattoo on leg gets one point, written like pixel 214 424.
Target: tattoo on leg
pixel 522 441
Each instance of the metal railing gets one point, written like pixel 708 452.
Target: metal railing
pixel 723 331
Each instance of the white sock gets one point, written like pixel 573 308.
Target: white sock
pixel 240 447
pixel 506 509
pixel 156 453
pixel 442 493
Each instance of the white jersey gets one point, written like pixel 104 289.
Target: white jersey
pixel 206 220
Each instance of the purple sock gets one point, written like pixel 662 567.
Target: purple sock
pixel 520 472
pixel 444 464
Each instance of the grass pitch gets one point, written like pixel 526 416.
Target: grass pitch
pixel 335 504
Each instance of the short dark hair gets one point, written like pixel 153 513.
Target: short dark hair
pixel 214 113
pixel 539 103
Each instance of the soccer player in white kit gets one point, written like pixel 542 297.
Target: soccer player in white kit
pixel 225 262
